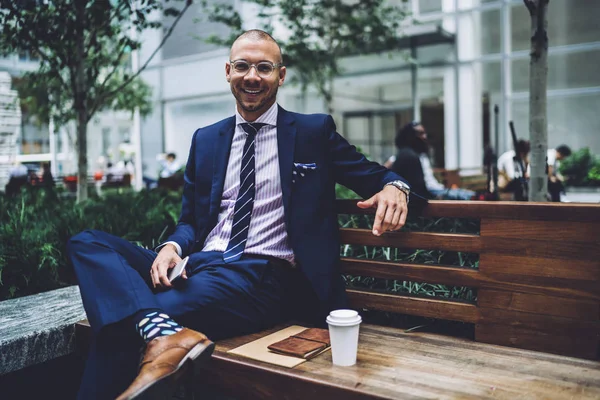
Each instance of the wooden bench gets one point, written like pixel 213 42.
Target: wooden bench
pixel 536 317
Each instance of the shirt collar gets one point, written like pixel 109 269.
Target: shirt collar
pixel 269 117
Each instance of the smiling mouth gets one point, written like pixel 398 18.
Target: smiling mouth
pixel 249 91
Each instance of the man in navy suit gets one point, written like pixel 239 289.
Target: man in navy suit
pixel 258 223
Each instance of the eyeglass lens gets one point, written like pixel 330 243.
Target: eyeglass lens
pixel 264 69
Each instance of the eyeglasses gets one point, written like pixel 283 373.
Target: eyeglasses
pixel 264 69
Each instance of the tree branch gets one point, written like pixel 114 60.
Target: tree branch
pixel 111 73
pixel 102 97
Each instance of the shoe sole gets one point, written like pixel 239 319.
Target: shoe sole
pixel 166 386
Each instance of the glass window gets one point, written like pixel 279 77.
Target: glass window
pixel 565 71
pixel 566 116
pixel 435 53
pixel 484 25
pixel 569 22
pixel 427 6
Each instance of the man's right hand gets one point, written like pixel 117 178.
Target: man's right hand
pixel 166 259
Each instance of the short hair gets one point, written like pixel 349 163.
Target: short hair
pixel 172 155
pixel 523 146
pixel 564 150
pixel 258 35
pixel 406 134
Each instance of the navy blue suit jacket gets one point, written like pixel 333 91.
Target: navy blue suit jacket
pixel 309 203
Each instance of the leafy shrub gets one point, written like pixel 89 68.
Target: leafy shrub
pixel 35 228
pixel 581 168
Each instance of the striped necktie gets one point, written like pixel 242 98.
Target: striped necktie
pixel 245 198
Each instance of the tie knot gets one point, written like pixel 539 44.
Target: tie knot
pixel 252 128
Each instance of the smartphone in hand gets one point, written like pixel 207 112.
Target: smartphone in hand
pixel 178 269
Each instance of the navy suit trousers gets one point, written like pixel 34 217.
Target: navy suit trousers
pixel 218 299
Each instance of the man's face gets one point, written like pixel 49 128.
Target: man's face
pixel 421 133
pixel 254 94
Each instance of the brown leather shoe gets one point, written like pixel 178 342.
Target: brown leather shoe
pixel 163 363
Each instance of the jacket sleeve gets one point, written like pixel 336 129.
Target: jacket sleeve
pixel 185 231
pixel 352 169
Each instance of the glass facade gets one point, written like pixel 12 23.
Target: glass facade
pixel 459 84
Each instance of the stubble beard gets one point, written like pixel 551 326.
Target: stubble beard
pixel 238 93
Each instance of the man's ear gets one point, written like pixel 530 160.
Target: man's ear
pixel 282 73
pixel 228 71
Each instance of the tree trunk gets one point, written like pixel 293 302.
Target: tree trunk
pixel 80 89
pixel 82 186
pixel 538 81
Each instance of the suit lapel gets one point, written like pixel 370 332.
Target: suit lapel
pixel 286 140
pixel 221 151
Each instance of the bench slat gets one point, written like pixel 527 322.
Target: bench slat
pixel 586 232
pixel 543 267
pixel 584 346
pixel 496 209
pixel 557 325
pixel 446 275
pixel 425 307
pixel 541 248
pixel 558 287
pixel 582 309
pixel 414 240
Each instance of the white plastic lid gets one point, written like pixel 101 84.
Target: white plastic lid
pixel 344 318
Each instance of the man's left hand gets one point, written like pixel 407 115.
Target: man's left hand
pixel 391 209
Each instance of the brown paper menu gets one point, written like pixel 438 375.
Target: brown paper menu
pixel 257 349
pixel 306 344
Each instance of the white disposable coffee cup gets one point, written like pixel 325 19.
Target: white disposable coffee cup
pixel 343 332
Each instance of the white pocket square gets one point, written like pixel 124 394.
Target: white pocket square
pixel 300 169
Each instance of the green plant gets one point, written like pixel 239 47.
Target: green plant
pixel 421 256
pixel 581 168
pixel 36 226
pixel 594 174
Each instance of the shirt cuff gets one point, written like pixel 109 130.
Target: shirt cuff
pixel 177 246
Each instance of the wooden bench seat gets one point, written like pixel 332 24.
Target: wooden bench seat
pixel 536 308
pixel 393 364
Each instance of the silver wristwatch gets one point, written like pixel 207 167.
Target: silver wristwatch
pixel 403 187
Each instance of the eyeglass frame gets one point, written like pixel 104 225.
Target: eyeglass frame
pixel 255 65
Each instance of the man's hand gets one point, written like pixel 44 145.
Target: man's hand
pixel 166 259
pixel 391 209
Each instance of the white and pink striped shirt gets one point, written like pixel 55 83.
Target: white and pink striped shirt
pixel 267 235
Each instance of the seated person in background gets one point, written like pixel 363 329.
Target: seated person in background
pixel 169 166
pixel 412 162
pixel 47 180
pixel 509 172
pixel 555 179
pixel 17 177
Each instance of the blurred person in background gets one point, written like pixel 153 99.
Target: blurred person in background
pixel 46 178
pixel 412 162
pixel 556 189
pixel 169 165
pixel 17 177
pixel 509 170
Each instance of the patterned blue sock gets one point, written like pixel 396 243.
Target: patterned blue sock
pixel 151 324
